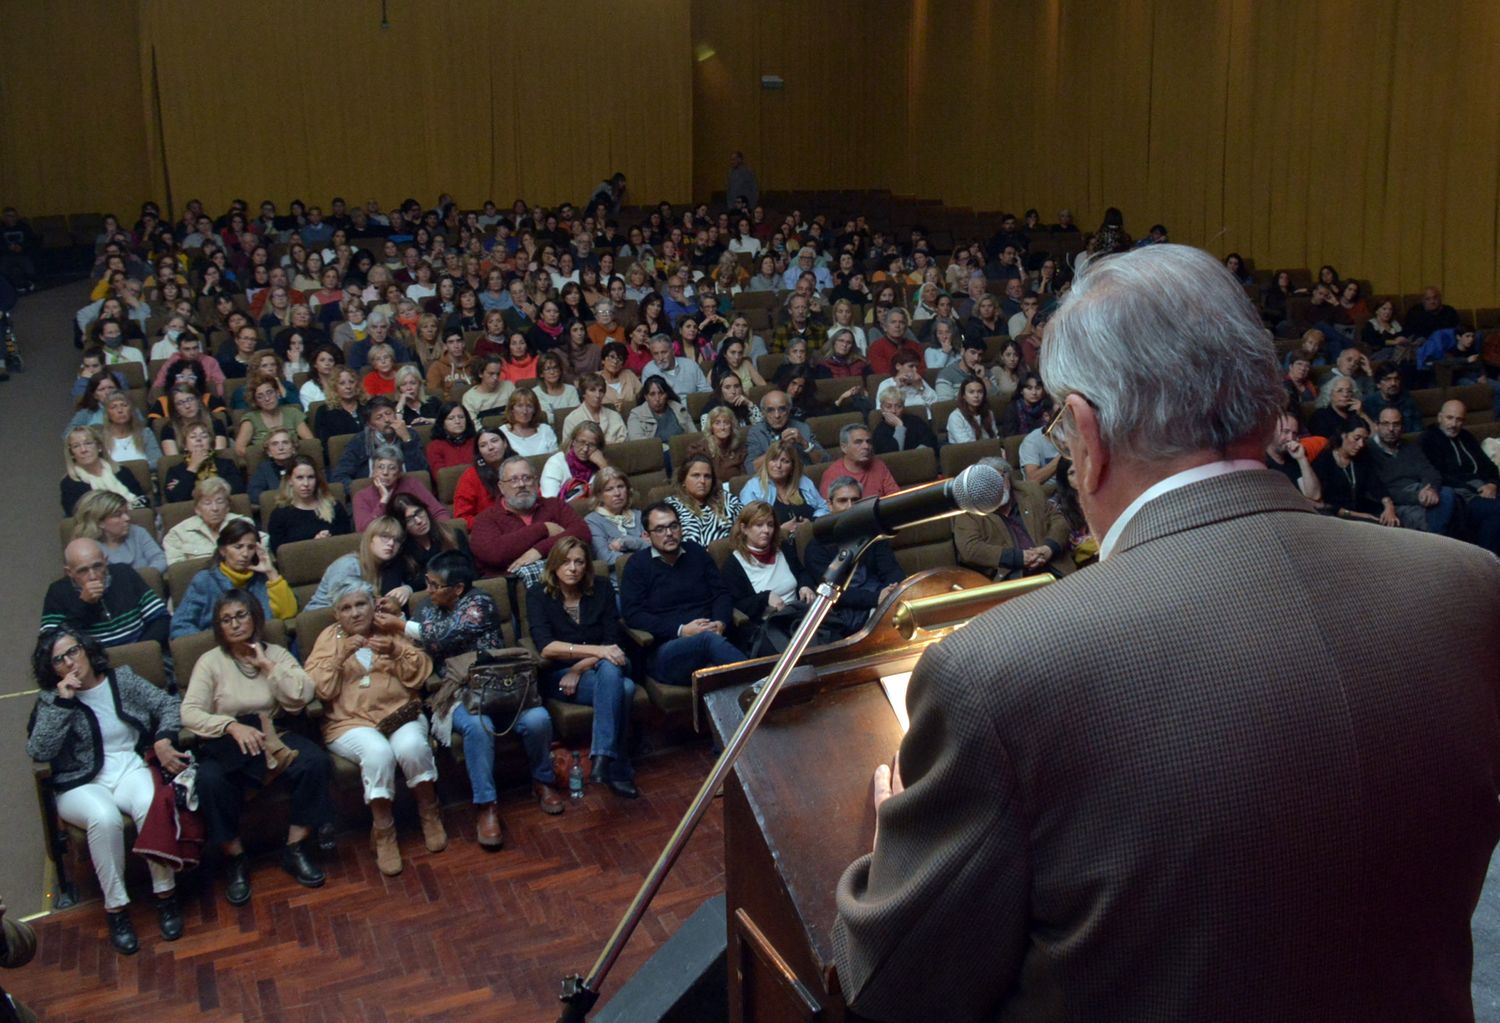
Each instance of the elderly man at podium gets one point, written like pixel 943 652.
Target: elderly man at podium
pixel 1229 791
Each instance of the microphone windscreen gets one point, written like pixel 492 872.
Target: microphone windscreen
pixel 979 489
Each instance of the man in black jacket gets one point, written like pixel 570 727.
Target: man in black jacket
pixel 1464 466
pixel 898 430
pixel 383 425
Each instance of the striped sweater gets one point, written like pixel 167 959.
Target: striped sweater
pixel 129 613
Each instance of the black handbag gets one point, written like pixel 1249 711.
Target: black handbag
pixel 499 685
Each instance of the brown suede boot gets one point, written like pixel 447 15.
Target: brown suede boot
pixel 387 851
pixel 432 822
pixel 487 825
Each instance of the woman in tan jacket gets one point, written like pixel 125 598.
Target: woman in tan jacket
pixel 235 690
pixel 368 678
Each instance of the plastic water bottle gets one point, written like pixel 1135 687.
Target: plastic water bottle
pixel 575 778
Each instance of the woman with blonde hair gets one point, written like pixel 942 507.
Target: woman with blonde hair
pixel 412 402
pixel 781 484
pixel 378 562
pixel 615 528
pixel 344 411
pixel 568 473
pixel 723 443
pixel 427 339
pixel 381 378
pixel 305 508
pixel 125 433
pixel 104 517
pixel 89 467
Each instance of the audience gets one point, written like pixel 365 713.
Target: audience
pixel 548 300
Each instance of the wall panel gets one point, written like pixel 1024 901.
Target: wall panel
pixel 72 135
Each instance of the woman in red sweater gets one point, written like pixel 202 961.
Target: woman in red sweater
pixel 479 486
pixel 452 439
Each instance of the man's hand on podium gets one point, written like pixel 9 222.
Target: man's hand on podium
pixel 885 784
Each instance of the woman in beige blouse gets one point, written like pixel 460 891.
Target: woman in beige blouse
pixel 235 691
pixel 364 676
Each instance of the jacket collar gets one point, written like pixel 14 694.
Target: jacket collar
pixel 1217 499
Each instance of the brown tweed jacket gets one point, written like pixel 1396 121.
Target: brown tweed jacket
pixel 983 541
pixel 1197 781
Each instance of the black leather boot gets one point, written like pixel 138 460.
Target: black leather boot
pixel 296 861
pixel 237 880
pixel 122 932
pixel 169 917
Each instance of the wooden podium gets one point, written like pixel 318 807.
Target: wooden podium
pixel 797 810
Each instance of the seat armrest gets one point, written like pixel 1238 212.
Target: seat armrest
pixel 640 637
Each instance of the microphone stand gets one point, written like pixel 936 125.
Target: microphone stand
pixel 580 993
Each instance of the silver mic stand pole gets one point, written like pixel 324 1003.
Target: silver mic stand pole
pixel 580 993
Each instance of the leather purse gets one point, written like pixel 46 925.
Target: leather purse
pixel 499 686
pixel 404 715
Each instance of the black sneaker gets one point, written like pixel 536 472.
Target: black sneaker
pixel 122 933
pixel 169 917
pixel 295 861
pixel 237 880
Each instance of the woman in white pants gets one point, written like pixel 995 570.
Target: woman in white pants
pixel 91 725
pixel 364 676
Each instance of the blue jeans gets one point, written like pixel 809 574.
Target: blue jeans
pixel 1440 515
pixel 675 660
pixel 605 688
pixel 1484 519
pixel 535 731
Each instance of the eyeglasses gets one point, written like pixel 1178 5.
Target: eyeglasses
pixel 58 660
pixel 235 618
pixel 675 527
pixel 528 478
pixel 1059 437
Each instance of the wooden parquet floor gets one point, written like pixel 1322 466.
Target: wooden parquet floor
pixel 462 935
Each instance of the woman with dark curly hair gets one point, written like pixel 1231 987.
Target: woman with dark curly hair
pixel 92 723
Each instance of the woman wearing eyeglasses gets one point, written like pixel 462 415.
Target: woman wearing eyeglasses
pixel 235 693
pixel 92 724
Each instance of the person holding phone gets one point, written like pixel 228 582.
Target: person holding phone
pixel 241 562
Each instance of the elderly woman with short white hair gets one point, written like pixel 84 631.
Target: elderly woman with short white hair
pixel 388 478
pixel 369 681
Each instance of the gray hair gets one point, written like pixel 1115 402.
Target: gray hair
pixel 999 463
pixel 348 588
pixel 842 483
pixel 1129 315
pixel 848 431
pixel 387 453
pixel 378 317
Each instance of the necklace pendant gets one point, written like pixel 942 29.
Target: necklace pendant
pixel 364 683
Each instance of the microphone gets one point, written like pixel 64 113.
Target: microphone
pixel 979 489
